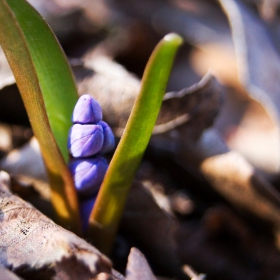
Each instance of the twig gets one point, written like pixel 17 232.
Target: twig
pixel 192 274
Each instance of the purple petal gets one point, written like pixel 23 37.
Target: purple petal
pixel 88 173
pixel 109 139
pixel 87 111
pixel 85 140
pixel 86 206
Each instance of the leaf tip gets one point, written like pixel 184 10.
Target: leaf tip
pixel 173 38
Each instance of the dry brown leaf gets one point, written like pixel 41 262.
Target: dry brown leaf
pixel 203 102
pixel 31 242
pixel 7 274
pixel 232 176
pixel 26 160
pixel 138 267
pixel 223 244
pixel 259 70
pixel 152 229
pixel 71 269
pixel 106 276
pixel 111 85
pixel 249 127
pixel 237 181
pixel 188 104
pixel 116 89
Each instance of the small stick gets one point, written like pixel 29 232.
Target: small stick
pixel 192 274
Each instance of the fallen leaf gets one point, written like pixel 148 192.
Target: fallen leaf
pixel 203 102
pixel 258 66
pixel 111 85
pixel 152 229
pixel 32 242
pixel 223 245
pixel 116 89
pixel 138 267
pixel 70 268
pixel 7 274
pixel 232 176
pixel 26 160
pixel 188 104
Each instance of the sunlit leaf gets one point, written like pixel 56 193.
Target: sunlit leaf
pixel 110 202
pixel 48 92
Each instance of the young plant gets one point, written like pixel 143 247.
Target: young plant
pixel 111 198
pixel 89 138
pixel 48 90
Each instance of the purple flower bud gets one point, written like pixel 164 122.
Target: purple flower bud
pixel 88 173
pixel 86 206
pixel 85 140
pixel 87 110
pixel 109 139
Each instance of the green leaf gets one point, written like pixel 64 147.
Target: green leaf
pixel 54 74
pixel 111 198
pixel 49 94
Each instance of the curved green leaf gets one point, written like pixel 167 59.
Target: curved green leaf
pixel 48 92
pixel 111 198
pixel 54 74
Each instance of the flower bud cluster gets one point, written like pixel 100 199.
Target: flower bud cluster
pixel 89 137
